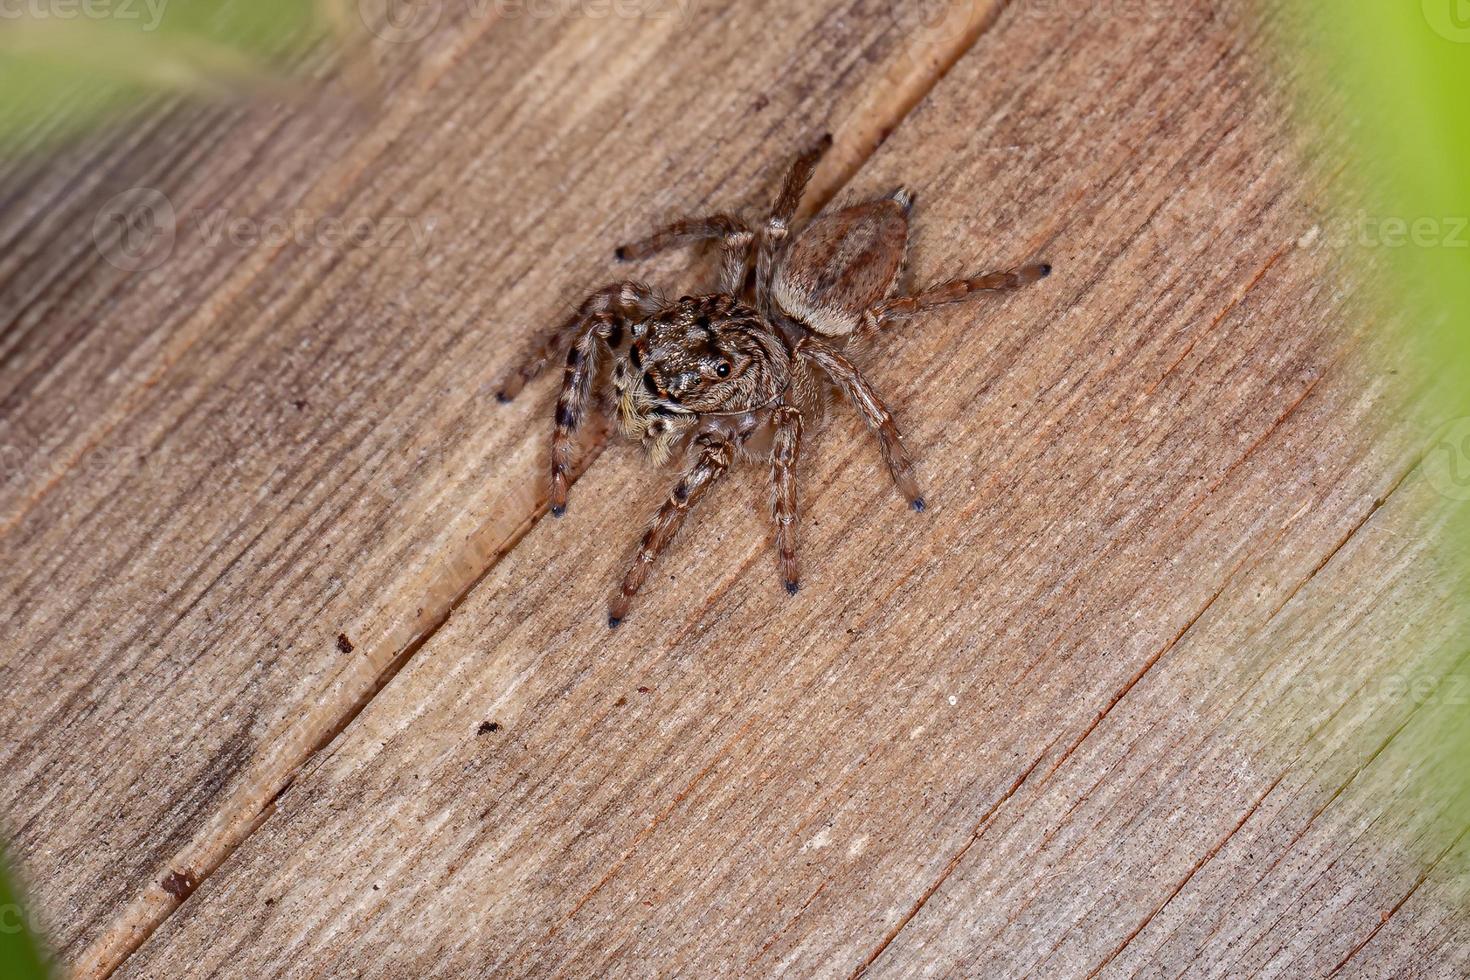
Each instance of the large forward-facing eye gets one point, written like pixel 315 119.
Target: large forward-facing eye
pixel 722 369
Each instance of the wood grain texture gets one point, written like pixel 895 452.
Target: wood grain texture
pixel 1291 718
pixel 265 444
pixel 1060 724
pixel 1110 708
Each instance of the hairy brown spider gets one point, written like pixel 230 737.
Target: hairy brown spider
pixel 711 378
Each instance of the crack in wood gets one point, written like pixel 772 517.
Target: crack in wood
pixel 1327 559
pixel 1337 793
pixel 1388 916
pixel 1113 703
pixel 1204 859
pixel 954 861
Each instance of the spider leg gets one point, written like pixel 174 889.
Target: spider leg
pixel 734 235
pixel 874 413
pixel 785 451
pixel 632 300
pixel 686 231
pixel 953 291
pixel 735 261
pixel 798 177
pixel 603 322
pixel 737 239
pixel 777 227
pixel 712 463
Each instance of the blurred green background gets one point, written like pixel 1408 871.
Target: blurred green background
pixel 20 957
pixel 68 64
pixel 1403 70
pixel 1400 71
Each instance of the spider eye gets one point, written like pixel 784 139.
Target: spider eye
pixel 723 369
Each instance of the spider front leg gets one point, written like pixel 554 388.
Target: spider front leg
pixel 785 451
pixel 603 322
pixel 734 235
pixel 777 227
pixel 874 413
pixel 713 462
pixel 632 300
pixel 686 231
pixel 735 261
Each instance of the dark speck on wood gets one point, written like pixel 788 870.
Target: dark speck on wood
pixel 180 886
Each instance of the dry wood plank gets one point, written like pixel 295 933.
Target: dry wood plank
pixel 247 453
pixel 1428 928
pixel 86 329
pixel 1170 437
pixel 1294 724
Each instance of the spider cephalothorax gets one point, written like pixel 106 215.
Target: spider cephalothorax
pixel 701 356
pixel 709 378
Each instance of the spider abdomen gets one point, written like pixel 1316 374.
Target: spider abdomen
pixel 842 263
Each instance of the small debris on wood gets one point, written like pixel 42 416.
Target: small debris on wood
pixel 343 643
pixel 486 727
pixel 180 886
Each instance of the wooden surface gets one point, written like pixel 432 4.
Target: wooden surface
pixel 1072 721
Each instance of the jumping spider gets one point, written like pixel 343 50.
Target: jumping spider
pixel 735 373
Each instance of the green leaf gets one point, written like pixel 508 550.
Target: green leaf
pixel 68 64
pixel 20 957
pixel 1401 69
